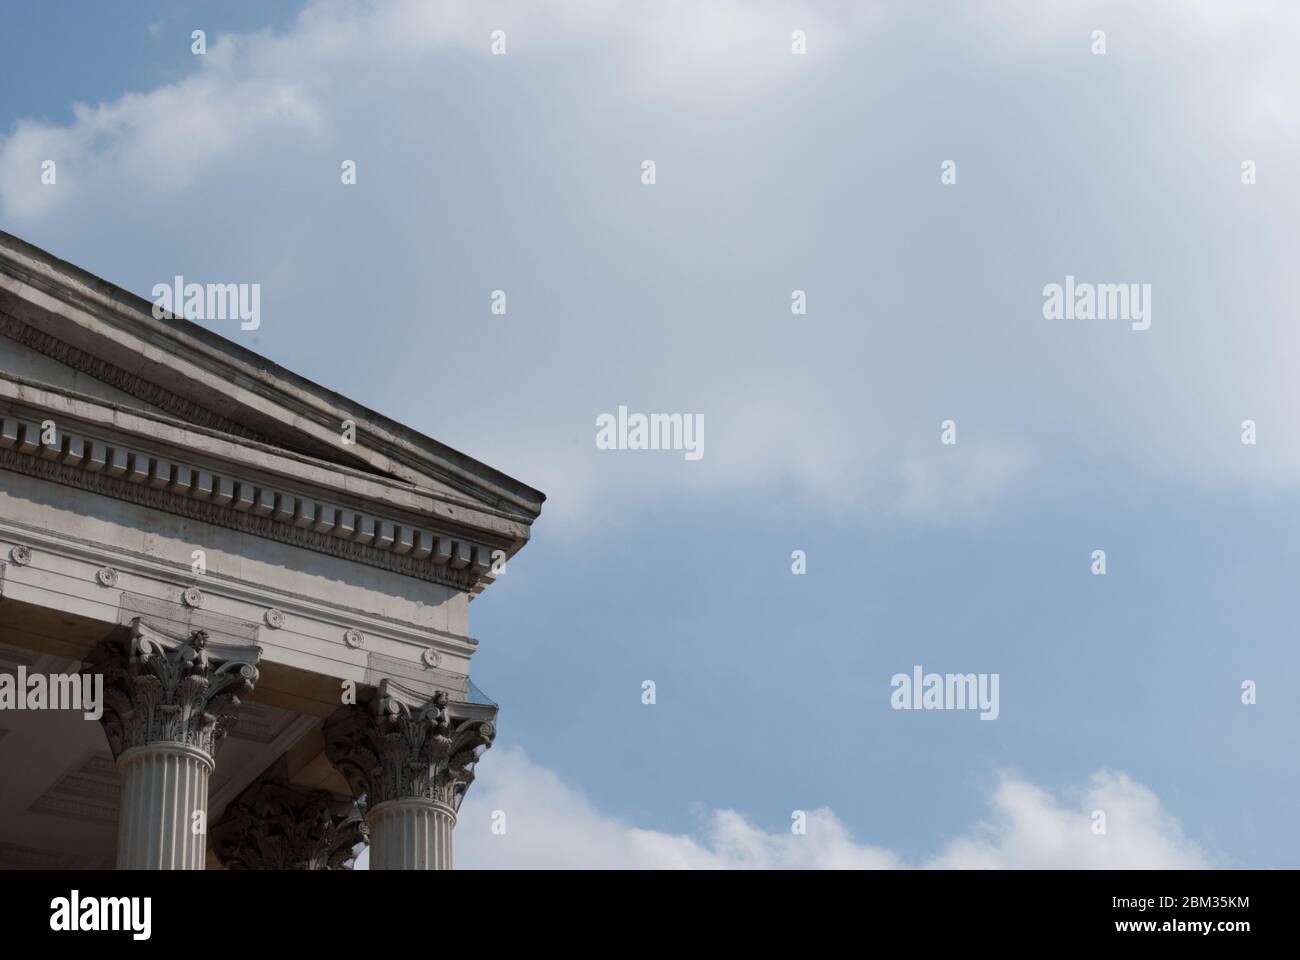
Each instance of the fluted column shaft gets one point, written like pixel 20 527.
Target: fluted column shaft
pixel 163 786
pixel 168 703
pixel 411 835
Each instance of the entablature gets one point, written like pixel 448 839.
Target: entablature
pixel 168 465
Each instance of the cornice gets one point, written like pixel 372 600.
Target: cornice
pixel 37 400
pixel 225 497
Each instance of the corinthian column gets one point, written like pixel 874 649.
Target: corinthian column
pixel 275 825
pixel 409 767
pixel 168 704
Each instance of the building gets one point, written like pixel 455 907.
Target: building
pixel 272 581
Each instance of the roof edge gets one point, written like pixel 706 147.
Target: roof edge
pixel 134 315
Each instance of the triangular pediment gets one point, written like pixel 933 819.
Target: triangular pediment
pixel 21 358
pixel 63 327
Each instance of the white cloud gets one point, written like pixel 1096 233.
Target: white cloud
pixel 551 825
pixel 1031 829
pixel 249 91
pixel 776 172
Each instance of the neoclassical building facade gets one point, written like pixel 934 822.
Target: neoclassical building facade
pixel 272 581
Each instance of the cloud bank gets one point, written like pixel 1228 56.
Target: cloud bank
pixel 550 825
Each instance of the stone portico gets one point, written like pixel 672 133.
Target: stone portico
pixel 273 581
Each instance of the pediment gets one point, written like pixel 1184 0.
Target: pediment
pixel 65 328
pixel 21 357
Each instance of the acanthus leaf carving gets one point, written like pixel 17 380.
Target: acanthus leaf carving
pixel 388 750
pixel 161 690
pixel 274 825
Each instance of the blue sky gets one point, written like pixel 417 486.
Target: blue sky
pixel 774 173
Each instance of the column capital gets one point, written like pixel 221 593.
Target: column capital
pixel 274 825
pixel 388 749
pixel 163 689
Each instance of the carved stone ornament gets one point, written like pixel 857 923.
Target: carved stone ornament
pixel 21 555
pixel 387 750
pixel 107 576
pixel 274 618
pixel 193 597
pixel 160 689
pixel 274 825
pixel 226 497
pixel 431 657
pixel 354 638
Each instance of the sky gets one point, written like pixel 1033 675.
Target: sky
pixel 775 172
